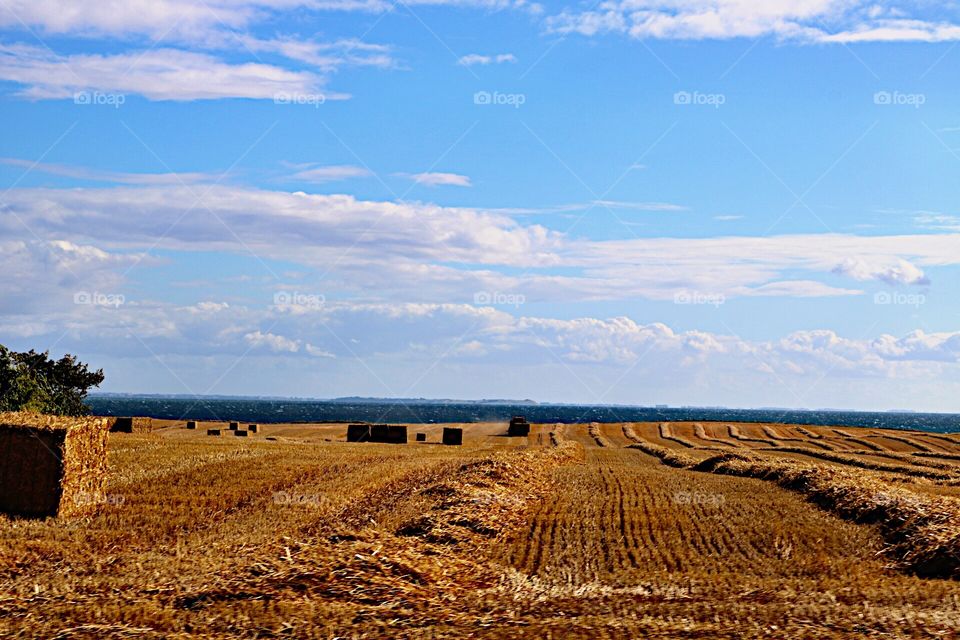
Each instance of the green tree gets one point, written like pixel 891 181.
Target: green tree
pixel 32 381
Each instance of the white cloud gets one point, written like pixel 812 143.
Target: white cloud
pixel 273 342
pixel 318 353
pixel 637 206
pixel 797 289
pixel 475 58
pixel 466 333
pixel 118 177
pixel 841 21
pixel 899 272
pixel 440 179
pixel 937 221
pixel 43 275
pixel 327 56
pixel 431 253
pixel 211 21
pixel 159 74
pixel 462 350
pixel 330 173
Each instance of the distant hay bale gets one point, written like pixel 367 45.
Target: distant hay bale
pixel 519 427
pixel 234 426
pixel 396 434
pixel 191 424
pixel 379 433
pixel 358 433
pixel 131 425
pixel 421 437
pixel 452 436
pixel 51 466
pixel 240 433
pixel 213 432
pixel 253 428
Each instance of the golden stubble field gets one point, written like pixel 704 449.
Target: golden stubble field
pixel 616 530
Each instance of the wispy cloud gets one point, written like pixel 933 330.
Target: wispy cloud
pixel 431 252
pixel 330 173
pixel 117 177
pixel 638 206
pixel 434 179
pixel 160 74
pixel 480 59
pixel 837 21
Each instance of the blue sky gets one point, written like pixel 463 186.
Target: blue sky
pixel 646 201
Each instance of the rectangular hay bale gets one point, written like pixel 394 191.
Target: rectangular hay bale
pixel 234 426
pixel 379 433
pixel 421 437
pixel 358 433
pixel 452 436
pixel 396 434
pixel 253 428
pixel 122 425
pixel 191 424
pixel 240 433
pixel 213 432
pixel 518 427
pixel 51 466
pixel 131 425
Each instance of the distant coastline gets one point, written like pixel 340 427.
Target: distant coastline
pixel 422 410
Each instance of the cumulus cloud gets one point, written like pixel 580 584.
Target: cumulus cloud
pixel 43 275
pixel 474 351
pixel 840 21
pixel 467 333
pixel 273 342
pixel 900 272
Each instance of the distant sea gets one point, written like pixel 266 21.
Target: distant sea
pixel 267 410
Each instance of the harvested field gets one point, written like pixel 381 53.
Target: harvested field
pixel 567 533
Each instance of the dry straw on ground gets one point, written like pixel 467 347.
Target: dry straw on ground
pixel 594 431
pixel 737 434
pixel 427 561
pixel 923 531
pixel 666 432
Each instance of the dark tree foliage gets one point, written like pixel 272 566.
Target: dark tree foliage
pixel 32 381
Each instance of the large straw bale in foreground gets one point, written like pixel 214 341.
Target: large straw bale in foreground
pixel 51 466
